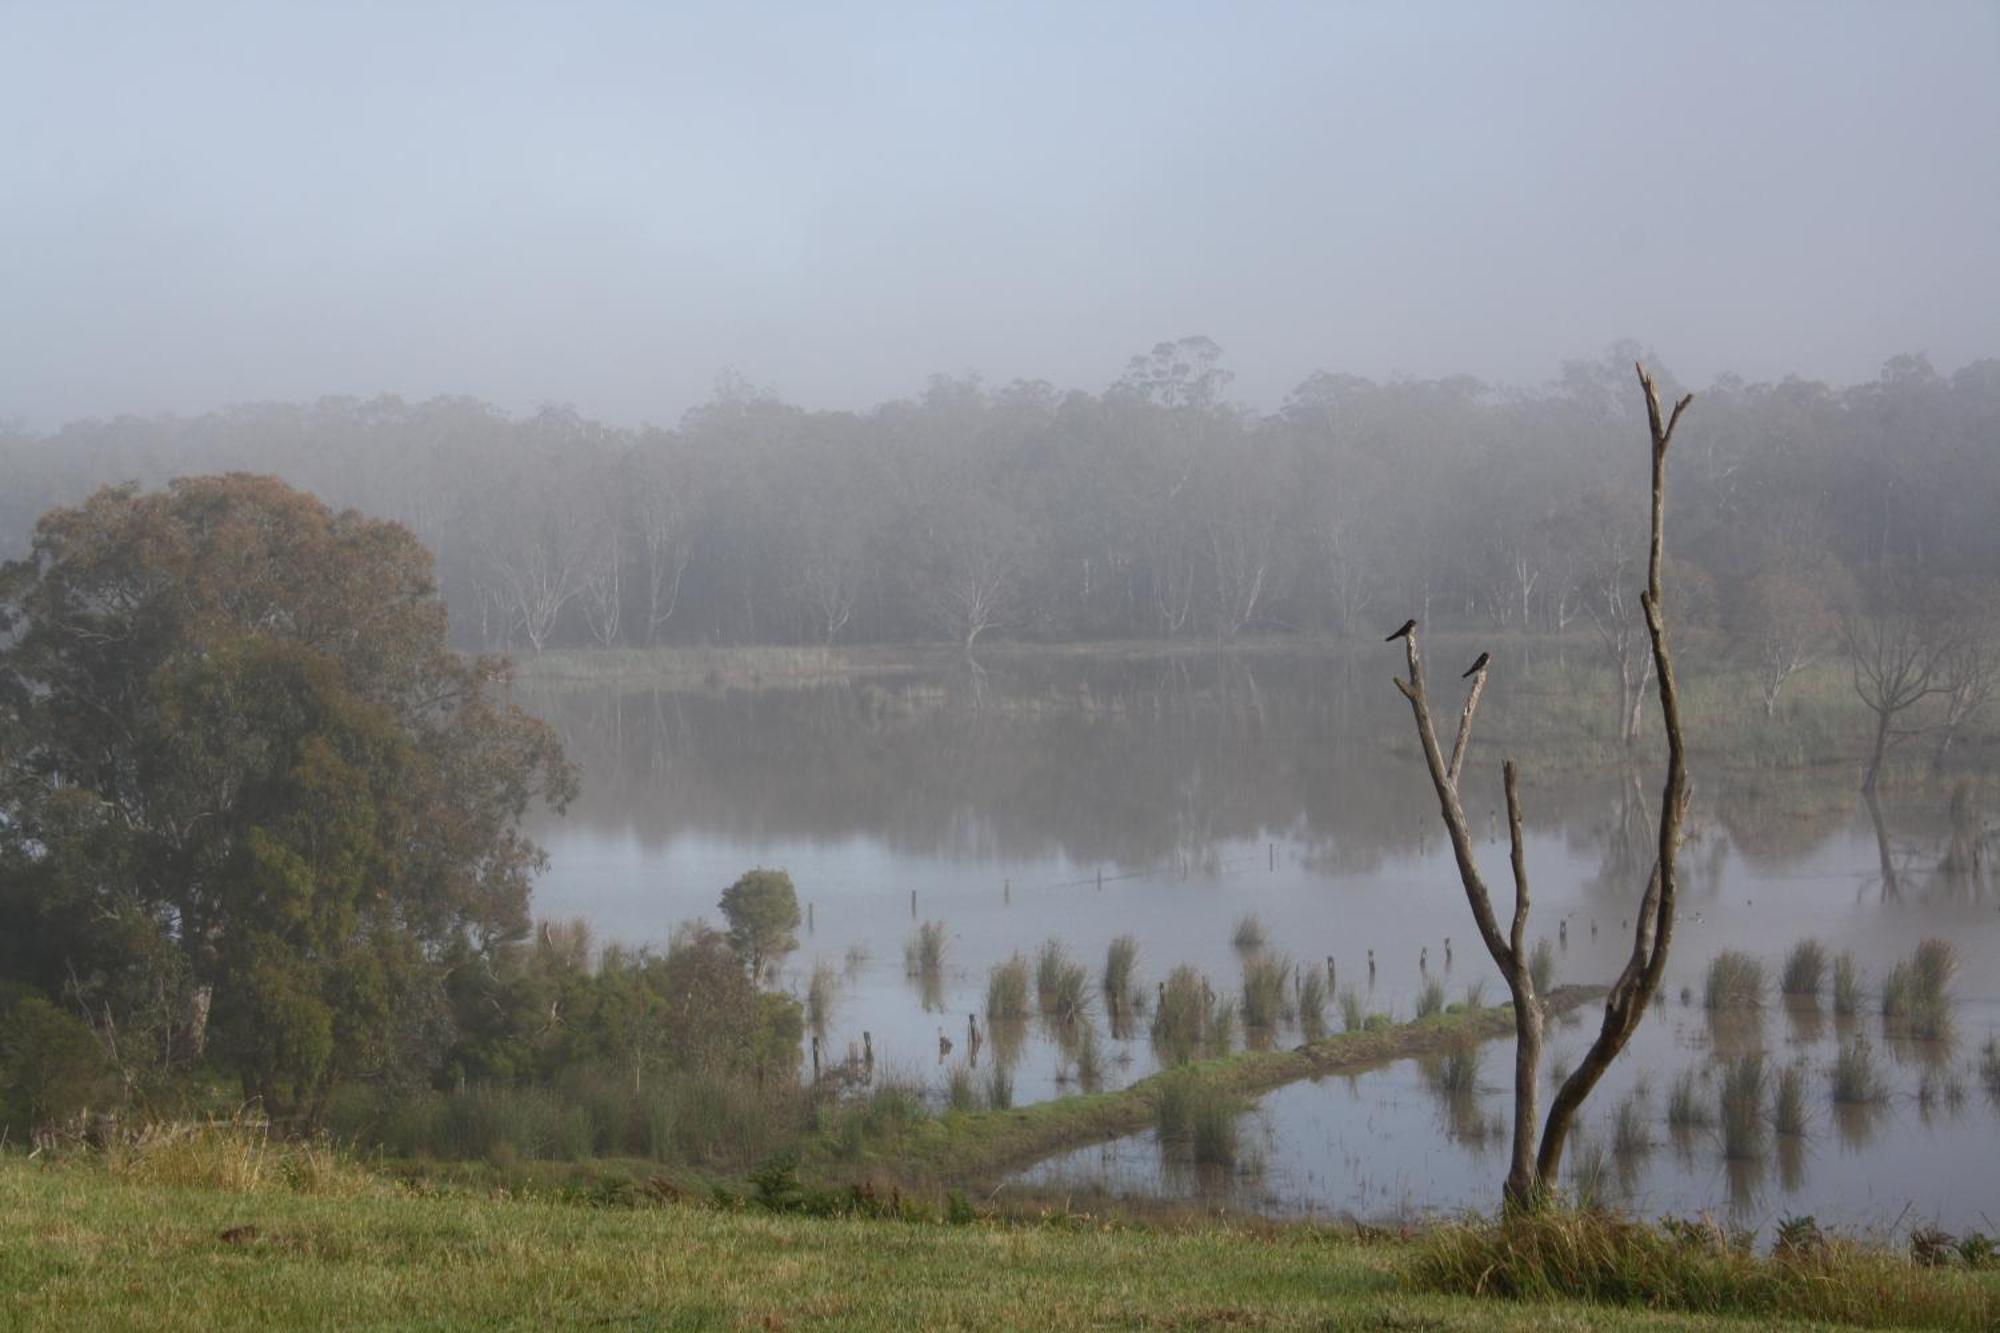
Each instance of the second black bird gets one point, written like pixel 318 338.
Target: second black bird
pixel 1408 625
pixel 1477 666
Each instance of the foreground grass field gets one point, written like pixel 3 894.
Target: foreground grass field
pixel 83 1248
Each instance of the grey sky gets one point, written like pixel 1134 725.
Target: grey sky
pixel 605 204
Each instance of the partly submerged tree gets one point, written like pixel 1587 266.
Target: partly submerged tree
pixel 1532 1170
pixel 246 787
pixel 762 910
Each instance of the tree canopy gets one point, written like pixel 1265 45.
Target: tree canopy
pixel 247 790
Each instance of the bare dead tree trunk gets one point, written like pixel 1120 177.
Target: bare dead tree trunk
pixel 1532 1171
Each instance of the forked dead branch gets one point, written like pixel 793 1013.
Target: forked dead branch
pixel 1533 1169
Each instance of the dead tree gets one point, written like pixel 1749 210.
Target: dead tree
pixel 1533 1169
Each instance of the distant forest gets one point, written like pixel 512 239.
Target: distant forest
pixel 1154 509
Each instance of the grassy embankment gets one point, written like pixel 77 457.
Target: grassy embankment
pixel 95 1244
pixel 975 1146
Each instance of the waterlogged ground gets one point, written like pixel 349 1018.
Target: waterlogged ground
pixel 1083 798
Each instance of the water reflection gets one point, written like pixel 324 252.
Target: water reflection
pixel 1093 798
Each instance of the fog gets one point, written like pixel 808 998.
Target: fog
pixel 607 205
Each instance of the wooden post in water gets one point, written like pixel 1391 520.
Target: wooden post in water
pixel 1273 850
pixel 1100 879
pixel 913 904
pixel 809 918
pixel 1007 892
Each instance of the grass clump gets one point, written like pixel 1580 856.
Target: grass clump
pixel 1846 986
pixel 1186 1016
pixel 1062 987
pixel 1430 998
pixel 999 1088
pixel 1249 935
pixel 1353 1010
pixel 1556 1255
pixel 1805 968
pixel 1734 981
pixel 1788 1101
pixel 1989 1066
pixel 1312 1004
pixel 821 991
pixel 1266 992
pixel 961 1091
pixel 1631 1136
pixel 1542 966
pixel 1121 971
pixel 234 1155
pixel 1742 1105
pixel 1194 1117
pixel 1855 1079
pixel 1686 1108
pixel 1007 990
pixel 1475 994
pixel 923 952
pixel 1916 996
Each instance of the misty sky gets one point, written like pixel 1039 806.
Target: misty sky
pixel 607 204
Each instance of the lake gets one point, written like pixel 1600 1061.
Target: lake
pixel 1081 797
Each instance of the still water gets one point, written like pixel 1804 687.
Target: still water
pixel 1082 798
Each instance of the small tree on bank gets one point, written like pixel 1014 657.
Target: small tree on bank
pixel 1532 1170
pixel 762 910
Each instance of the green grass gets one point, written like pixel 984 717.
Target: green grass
pixel 1555 1256
pixel 82 1249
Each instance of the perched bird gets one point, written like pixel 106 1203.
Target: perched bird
pixel 1408 625
pixel 1478 665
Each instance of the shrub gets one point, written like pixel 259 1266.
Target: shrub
pixel 1805 967
pixel 1734 981
pixel 51 1068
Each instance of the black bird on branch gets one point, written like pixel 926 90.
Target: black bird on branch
pixel 1477 666
pixel 1408 625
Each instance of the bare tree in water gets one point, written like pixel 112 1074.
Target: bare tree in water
pixel 1532 1169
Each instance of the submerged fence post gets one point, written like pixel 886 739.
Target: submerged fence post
pixel 913 904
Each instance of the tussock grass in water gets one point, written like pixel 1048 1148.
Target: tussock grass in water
pixel 1734 981
pixel 1007 990
pixel 1554 1255
pixel 1916 996
pixel 1788 1101
pixel 1353 1011
pixel 1430 998
pixel 1542 966
pixel 1855 1080
pixel 821 992
pixel 1805 968
pixel 1742 1104
pixel 961 1092
pixel 1631 1136
pixel 1846 986
pixel 1475 994
pixel 923 953
pixel 1181 1015
pixel 1589 1171
pixel 1687 1109
pixel 1267 981
pixel 999 1088
pixel 1121 971
pixel 1312 1004
pixel 1192 1116
pixel 1989 1066
pixel 1221 1034
pixel 1249 935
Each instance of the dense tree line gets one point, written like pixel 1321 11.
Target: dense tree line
pixel 1156 508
